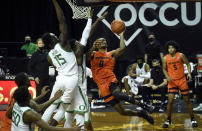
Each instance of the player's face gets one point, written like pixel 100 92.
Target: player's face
pixel 139 61
pixel 102 43
pixel 171 49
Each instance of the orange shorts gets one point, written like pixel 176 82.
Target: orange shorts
pixel 176 85
pixel 105 92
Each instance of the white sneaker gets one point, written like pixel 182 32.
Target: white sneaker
pixel 96 106
pixel 198 108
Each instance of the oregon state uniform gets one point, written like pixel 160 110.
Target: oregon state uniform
pixel 102 67
pixel 175 69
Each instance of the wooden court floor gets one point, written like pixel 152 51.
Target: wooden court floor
pixel 112 121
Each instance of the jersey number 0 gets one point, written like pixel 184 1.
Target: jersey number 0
pixel 101 63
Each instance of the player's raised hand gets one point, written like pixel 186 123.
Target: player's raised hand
pixel 122 33
pixel 45 90
pixel 37 80
pixel 103 16
pixel 91 13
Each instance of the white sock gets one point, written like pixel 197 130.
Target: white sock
pixel 48 112
pixel 80 120
pixel 200 104
pixel 69 119
pixel 87 115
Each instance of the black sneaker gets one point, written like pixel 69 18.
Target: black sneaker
pixel 194 123
pixel 144 115
pixel 166 124
pixel 148 108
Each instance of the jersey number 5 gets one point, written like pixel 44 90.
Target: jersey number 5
pixel 60 60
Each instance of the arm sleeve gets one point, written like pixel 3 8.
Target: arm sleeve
pixel 86 32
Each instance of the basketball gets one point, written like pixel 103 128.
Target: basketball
pixel 117 26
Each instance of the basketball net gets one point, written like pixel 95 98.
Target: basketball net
pixel 79 12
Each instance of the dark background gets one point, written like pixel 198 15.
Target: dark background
pixel 35 17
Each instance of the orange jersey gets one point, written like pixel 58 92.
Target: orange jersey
pixel 175 66
pixel 102 67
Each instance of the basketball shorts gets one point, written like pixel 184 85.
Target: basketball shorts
pixel 176 85
pixel 68 85
pixel 105 92
pixel 79 103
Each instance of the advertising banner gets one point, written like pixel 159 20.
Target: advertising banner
pixel 8 87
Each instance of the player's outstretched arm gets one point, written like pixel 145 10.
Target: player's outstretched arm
pixel 33 117
pixel 116 53
pixel 165 69
pixel 80 47
pixel 62 22
pixel 42 107
pixel 94 25
pixel 44 91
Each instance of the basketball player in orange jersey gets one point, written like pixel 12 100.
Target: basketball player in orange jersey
pixel 174 71
pixel 102 66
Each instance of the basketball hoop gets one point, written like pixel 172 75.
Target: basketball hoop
pixel 79 12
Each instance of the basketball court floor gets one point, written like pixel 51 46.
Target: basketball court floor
pixel 112 121
pixel 106 119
